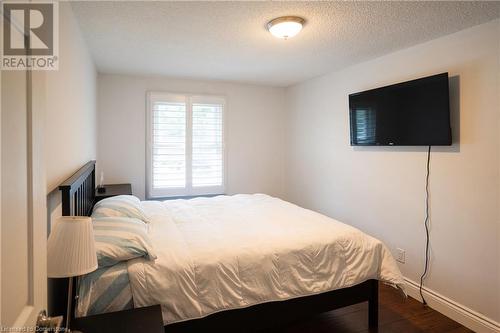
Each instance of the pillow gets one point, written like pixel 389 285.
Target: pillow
pixel 120 239
pixel 120 206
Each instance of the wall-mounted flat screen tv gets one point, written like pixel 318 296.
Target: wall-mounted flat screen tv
pixel 412 113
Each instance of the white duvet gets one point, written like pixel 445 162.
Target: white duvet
pixel 231 252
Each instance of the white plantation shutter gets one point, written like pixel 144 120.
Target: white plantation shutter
pixel 207 153
pixel 169 144
pixel 185 145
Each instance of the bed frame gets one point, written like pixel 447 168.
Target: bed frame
pixel 78 197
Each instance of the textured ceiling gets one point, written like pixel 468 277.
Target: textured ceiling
pixel 228 40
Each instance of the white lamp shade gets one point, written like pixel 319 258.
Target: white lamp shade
pixel 70 248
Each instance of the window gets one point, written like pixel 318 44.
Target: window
pixel 185 145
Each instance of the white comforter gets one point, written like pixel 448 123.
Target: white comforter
pixel 235 251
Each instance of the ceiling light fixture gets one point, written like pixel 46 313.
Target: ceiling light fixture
pixel 286 26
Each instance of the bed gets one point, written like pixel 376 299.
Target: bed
pixel 237 261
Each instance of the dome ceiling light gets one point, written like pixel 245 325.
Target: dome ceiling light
pixel 286 26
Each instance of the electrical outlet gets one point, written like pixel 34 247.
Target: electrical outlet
pixel 400 255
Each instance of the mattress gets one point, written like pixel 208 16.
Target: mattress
pixel 231 252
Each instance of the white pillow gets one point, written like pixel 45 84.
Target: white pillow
pixel 120 206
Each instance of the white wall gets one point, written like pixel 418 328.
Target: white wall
pixel 254 131
pixel 381 189
pixel 70 122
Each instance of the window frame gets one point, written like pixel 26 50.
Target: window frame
pixel 188 190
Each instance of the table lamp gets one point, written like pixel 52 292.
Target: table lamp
pixel 71 252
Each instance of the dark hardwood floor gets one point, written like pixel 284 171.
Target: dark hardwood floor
pixel 396 315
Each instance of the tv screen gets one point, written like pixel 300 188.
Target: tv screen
pixel 413 113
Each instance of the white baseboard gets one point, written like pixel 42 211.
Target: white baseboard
pixel 458 312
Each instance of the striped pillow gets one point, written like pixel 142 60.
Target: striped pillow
pixel 120 206
pixel 105 290
pixel 120 239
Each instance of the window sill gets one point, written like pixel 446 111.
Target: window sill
pixel 185 197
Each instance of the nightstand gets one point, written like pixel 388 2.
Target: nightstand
pixel 113 190
pixel 144 320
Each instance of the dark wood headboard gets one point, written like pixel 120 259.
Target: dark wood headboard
pixel 77 198
pixel 78 192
